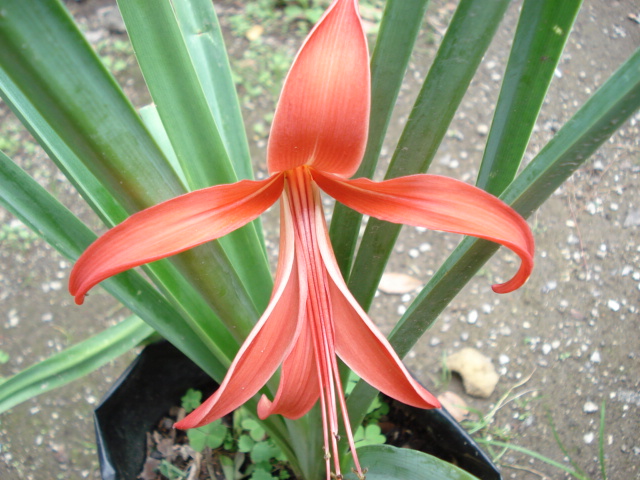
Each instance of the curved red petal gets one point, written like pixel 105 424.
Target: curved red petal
pixel 439 203
pixel 299 387
pixel 270 341
pixel 172 227
pixel 362 346
pixel 322 116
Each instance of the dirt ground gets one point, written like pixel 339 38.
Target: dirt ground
pixel 563 344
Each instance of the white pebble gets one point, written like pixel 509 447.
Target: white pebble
pixel 588 438
pixel 590 407
pixel 503 359
pixel 414 253
pixel 472 318
pixel 546 348
pixel 613 305
pixel 14 319
pixel 424 247
pixel 482 129
pixel 595 357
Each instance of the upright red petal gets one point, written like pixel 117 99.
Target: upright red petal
pixel 439 203
pixel 172 227
pixel 323 114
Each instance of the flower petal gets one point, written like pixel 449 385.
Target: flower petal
pixel 439 203
pixel 323 114
pixel 270 341
pixel 299 387
pixel 172 227
pixel 360 344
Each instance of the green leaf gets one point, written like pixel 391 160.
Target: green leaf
pixel 191 400
pixel 384 462
pixel 74 362
pixel 41 212
pixel 542 32
pixel 399 29
pixel 172 41
pixel 203 38
pixel 211 435
pixel 254 428
pixel 245 443
pixel 263 452
pixel 608 108
pixel 468 36
pixel 369 435
pixel 260 474
pixel 71 104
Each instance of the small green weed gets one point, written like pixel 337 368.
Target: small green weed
pixel 245 440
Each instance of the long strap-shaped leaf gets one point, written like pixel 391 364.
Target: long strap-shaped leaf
pixel 386 462
pixel 26 199
pixel 163 273
pixel 170 40
pixel 576 141
pixel 74 362
pixel 30 202
pixel 53 69
pixel 542 32
pixel 462 49
pixel 398 31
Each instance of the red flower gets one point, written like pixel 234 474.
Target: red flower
pixel 317 142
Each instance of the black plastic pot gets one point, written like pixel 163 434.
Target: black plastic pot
pixel 161 375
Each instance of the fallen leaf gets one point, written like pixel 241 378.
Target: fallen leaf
pixel 398 283
pixel 455 405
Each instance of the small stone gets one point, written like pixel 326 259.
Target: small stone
pixel 472 317
pixel 546 348
pixel 613 305
pixel 590 407
pixel 503 359
pixel 424 247
pixel 633 219
pixel 14 318
pixel 479 376
pixel 626 270
pixel 595 357
pixel 549 286
pixel 588 438
pixel 482 129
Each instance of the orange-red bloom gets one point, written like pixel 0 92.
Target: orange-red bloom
pixel 317 142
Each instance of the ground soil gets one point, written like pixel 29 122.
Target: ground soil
pixel 565 342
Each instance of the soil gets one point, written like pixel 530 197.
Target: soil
pixel 563 344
